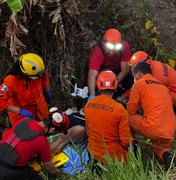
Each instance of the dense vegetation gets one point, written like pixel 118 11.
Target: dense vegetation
pixel 63 32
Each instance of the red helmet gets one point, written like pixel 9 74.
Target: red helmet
pixel 139 56
pixel 113 36
pixel 107 80
pixel 60 121
pixel 113 40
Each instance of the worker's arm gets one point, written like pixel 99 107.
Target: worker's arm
pixel 22 112
pixel 46 90
pixel 45 81
pixel 92 75
pixel 6 92
pixel 59 143
pixel 74 133
pixel 50 168
pixel 12 108
pixel 134 100
pixel 124 71
pixel 124 129
pixel 45 155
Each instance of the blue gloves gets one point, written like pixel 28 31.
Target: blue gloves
pixel 90 97
pixel 25 113
pixel 48 96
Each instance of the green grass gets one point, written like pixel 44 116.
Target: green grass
pixel 145 167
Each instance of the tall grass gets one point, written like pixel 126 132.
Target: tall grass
pixel 135 169
pixel 146 166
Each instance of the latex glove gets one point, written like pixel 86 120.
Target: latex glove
pixel 90 97
pixel 48 96
pixel 25 113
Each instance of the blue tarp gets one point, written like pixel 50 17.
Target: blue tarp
pixel 78 159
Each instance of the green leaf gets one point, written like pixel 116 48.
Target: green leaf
pixel 15 5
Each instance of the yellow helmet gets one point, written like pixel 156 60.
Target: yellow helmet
pixel 31 64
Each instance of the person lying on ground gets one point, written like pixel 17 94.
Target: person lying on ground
pixel 72 125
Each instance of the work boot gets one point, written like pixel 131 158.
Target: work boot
pixel 170 159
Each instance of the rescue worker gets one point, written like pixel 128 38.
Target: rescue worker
pixel 23 142
pixel 25 89
pixel 26 140
pixel 158 121
pixel 106 122
pixel 163 72
pixel 111 52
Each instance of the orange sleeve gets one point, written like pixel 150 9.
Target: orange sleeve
pixel 45 81
pixel 124 129
pixel 133 103
pixel 6 92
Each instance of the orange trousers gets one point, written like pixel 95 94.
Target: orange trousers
pixel 158 145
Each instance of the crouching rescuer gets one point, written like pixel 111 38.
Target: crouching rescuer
pixel 158 119
pixel 106 122
pixel 24 141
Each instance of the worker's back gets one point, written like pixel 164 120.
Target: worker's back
pixel 166 75
pixel 107 127
pixel 155 101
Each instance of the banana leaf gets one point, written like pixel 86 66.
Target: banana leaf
pixel 15 5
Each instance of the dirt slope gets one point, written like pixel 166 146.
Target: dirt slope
pixel 164 12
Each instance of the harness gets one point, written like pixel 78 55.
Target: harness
pixel 21 132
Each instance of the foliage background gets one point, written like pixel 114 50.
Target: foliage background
pixel 64 31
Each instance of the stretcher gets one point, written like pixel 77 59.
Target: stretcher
pixel 58 159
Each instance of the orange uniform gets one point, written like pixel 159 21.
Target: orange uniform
pixel 166 75
pixel 107 128
pixel 26 94
pixel 158 121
